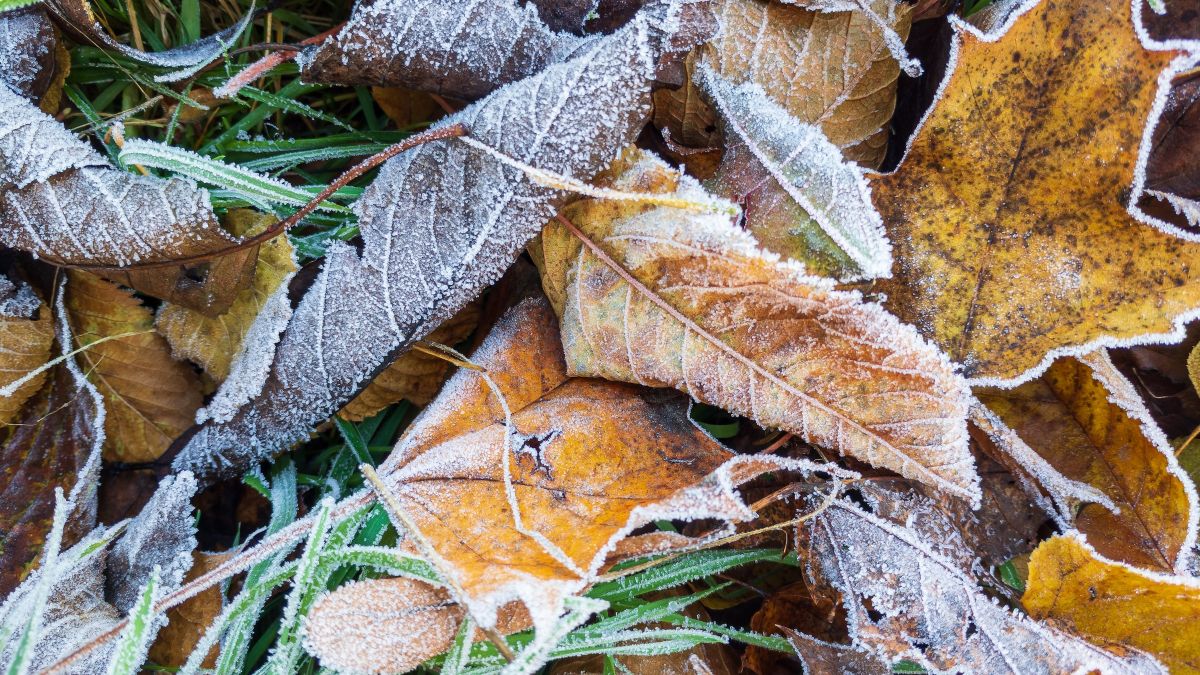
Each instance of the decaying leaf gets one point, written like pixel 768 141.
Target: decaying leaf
pixel 30 59
pixel 391 625
pixel 213 342
pixel 466 50
pixel 162 536
pixel 839 73
pixel 730 325
pixel 1170 167
pixel 26 335
pixel 799 198
pixel 1085 419
pixel 1022 242
pixel 904 601
pixel 187 623
pixel 439 224
pixel 406 107
pixel 149 396
pixel 826 658
pixel 1106 601
pixel 415 376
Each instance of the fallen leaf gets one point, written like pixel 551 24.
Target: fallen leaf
pixel 439 224
pixel 162 536
pixel 187 623
pixel 709 658
pixel 1170 168
pixel 795 607
pixel 461 50
pixel 1084 418
pixel 904 601
pixel 798 196
pixel 1108 602
pixel 1010 215
pixel 826 658
pixel 31 61
pixel 391 625
pixel 26 335
pixel 213 342
pixel 150 397
pixel 406 107
pixel 682 114
pixel 839 73
pixel 730 325
pixel 415 376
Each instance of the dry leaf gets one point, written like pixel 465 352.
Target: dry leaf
pixel 795 607
pixel 798 196
pixel 710 658
pixel 150 397
pixel 213 342
pixel 187 622
pixel 1170 167
pixel 732 326
pixel 826 658
pixel 1088 423
pixel 415 376
pixel 1009 217
pixel 833 70
pixel 30 56
pixel 391 625
pixel 1106 601
pixel 904 601
pixel 439 224
pixel 684 117
pixel 26 335
pixel 406 107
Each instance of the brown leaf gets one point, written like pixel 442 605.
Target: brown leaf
pixel 905 601
pixel 415 376
pixel 793 607
pixel 439 224
pixel 1014 245
pixel 187 623
pixel 391 625
pixel 150 397
pixel 30 57
pixel 214 342
pixel 716 317
pixel 406 107
pixel 830 69
pixel 1171 168
pixel 1108 602
pixel 26 335
pixel 1084 418
pixel 828 658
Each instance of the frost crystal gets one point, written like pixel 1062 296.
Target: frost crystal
pixel 162 535
pixel 810 169
pixel 439 224
pixel 26 50
pixel 903 600
pixel 60 200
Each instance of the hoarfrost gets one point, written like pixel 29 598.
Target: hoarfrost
pixel 1188 208
pixel 810 169
pixel 895 43
pixel 904 601
pixel 26 51
pixel 439 224
pixel 60 200
pixel 163 535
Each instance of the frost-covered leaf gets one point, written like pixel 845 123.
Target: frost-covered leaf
pixel 63 202
pixel 187 622
pixel 391 625
pixel 161 537
pixel 799 197
pixel 1013 217
pixel 26 334
pixel 213 342
pixel 134 642
pixel 904 601
pixel 29 62
pixel 439 224
pixel 731 325
pixel 1171 168
pixel 1106 601
pixel 825 658
pixel 184 60
pixel 415 376
pixel 461 49
pixel 833 70
pixel 150 397
pixel 54 442
pixel 1086 420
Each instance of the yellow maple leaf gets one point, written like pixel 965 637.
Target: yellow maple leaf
pixel 1010 214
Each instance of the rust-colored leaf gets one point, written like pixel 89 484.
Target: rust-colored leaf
pixel 149 396
pixel 187 622
pixel 1108 602
pixel 1085 419
pixel 1010 215
pixel 706 311
pixel 26 334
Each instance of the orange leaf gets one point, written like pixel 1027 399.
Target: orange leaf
pixel 1009 213
pixel 25 338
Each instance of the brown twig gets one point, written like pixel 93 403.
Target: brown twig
pixel 451 131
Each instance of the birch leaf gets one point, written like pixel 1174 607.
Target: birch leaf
pixel 439 224
pixel 414 376
pixel 903 601
pixel 1104 600
pixel 149 396
pixel 1086 420
pixel 1018 245
pixel 26 335
pixel 839 73
pixel 212 342
pixel 732 326
pixel 800 198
